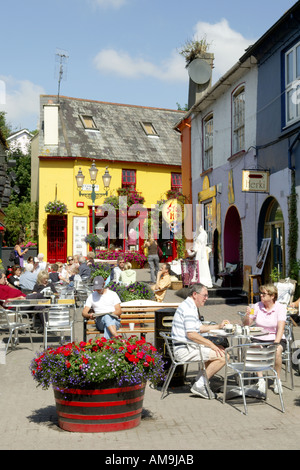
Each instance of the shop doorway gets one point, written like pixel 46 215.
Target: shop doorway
pixel 233 244
pixel 271 225
pixel 56 238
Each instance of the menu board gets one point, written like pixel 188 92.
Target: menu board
pixel 79 234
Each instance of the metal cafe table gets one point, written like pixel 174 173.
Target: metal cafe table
pixel 25 306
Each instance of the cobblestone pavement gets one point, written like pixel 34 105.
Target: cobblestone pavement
pixel 179 422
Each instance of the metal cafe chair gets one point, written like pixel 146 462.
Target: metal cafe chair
pixel 288 353
pixel 58 319
pixel 174 363
pixel 13 325
pixel 253 358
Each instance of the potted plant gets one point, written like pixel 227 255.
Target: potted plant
pixel 56 207
pixel 99 385
pixel 135 291
pixel 93 240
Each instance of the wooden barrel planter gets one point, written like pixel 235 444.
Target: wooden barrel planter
pixel 100 410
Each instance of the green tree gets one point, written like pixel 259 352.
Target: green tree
pixel 18 219
pixel 22 171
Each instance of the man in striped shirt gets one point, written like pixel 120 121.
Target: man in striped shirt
pixel 187 326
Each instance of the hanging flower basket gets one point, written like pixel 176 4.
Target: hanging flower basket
pixel 56 207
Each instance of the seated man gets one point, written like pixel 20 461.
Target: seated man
pixel 186 326
pixel 84 269
pixel 8 292
pixel 163 282
pixel 28 278
pixel 106 305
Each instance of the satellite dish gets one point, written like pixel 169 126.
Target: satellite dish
pixel 199 71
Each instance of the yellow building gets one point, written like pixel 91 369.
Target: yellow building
pixel 138 146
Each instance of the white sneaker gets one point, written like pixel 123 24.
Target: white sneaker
pixel 276 388
pixel 261 385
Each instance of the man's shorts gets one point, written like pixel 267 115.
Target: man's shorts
pixel 189 352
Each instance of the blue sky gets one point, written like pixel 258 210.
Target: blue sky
pixel 121 51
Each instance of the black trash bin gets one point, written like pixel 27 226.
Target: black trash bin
pixel 163 322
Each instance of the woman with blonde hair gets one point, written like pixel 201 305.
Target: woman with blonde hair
pixel 42 282
pixel 271 316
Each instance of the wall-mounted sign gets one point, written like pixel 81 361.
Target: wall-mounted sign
pixel 79 204
pixel 256 181
pixel 172 211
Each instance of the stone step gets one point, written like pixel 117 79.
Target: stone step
pixel 219 295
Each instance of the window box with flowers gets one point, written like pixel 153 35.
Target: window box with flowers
pixel 136 258
pixel 99 385
pixel 56 208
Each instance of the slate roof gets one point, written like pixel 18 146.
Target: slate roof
pixel 120 135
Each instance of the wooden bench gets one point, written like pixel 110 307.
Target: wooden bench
pixel 143 318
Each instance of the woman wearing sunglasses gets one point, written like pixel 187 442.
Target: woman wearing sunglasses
pixel 271 316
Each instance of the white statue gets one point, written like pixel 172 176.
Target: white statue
pixel 201 249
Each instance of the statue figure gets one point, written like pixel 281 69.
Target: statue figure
pixel 201 251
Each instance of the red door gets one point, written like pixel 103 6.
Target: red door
pixel 56 238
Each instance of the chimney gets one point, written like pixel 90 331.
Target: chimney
pixel 51 123
pixel 200 73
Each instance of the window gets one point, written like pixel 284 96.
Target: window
pixel 292 84
pixel 176 181
pixel 128 179
pixel 88 122
pixel 149 129
pixel 238 119
pixel 208 129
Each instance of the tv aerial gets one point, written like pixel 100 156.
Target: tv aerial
pixel 199 71
pixel 61 58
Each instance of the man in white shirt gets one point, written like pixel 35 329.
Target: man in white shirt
pixel 106 305
pixel 187 326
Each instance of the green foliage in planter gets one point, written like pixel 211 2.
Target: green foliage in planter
pixel 56 207
pixel 135 291
pixel 101 270
pixel 275 275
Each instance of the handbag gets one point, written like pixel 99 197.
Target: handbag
pixel 219 341
pixel 159 252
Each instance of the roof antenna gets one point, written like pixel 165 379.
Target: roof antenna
pixel 61 58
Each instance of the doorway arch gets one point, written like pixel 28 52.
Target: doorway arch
pixel 271 225
pixel 233 240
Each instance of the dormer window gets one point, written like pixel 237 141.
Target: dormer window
pixel 149 129
pixel 88 122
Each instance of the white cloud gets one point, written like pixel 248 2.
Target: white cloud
pixel 21 102
pixel 226 44
pixel 109 3
pixel 122 64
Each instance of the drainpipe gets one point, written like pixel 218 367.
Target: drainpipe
pixel 290 151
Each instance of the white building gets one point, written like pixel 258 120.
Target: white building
pixel 20 140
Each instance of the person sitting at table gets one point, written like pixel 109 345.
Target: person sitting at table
pixel 16 272
pixel 8 292
pixel 163 282
pixel 42 283
pixel 116 271
pixel 271 316
pixel 187 326
pixel 84 269
pixel 62 273
pixel 106 305
pixel 90 258
pixel 128 276
pixel 53 275
pixel 42 265
pixel 28 278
